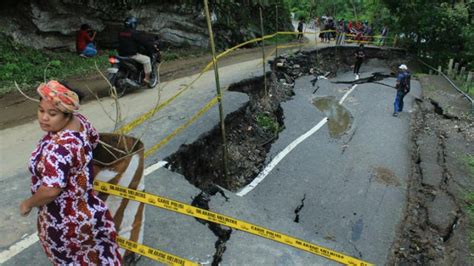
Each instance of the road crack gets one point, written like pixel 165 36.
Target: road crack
pixel 223 233
pixel 298 209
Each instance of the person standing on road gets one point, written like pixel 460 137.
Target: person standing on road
pixel 359 56
pixel 403 88
pixel 74 226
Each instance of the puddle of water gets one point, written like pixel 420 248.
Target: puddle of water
pixel 339 118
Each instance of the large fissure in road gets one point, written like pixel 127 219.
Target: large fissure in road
pixel 249 131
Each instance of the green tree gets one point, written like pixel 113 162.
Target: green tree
pixel 436 29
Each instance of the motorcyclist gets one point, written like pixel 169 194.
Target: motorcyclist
pixel 130 41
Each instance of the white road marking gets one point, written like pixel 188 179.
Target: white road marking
pixel 287 150
pixel 18 247
pixel 33 238
pixel 152 168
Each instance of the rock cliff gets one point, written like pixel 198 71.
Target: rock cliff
pixel 52 24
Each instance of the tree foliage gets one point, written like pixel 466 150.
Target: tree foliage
pixel 437 29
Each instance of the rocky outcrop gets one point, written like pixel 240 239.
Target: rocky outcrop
pixel 52 24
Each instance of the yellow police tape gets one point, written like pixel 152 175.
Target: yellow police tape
pixel 154 254
pixel 201 112
pixel 214 217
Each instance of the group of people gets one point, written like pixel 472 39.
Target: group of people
pixel 340 30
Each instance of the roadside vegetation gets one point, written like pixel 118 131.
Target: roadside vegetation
pixel 268 123
pixel 28 66
pixel 438 30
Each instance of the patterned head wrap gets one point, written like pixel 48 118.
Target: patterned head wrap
pixel 63 98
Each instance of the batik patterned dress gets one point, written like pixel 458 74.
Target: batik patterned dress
pixel 76 228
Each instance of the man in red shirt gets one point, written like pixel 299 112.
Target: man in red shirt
pixel 84 42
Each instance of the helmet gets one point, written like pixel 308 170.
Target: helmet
pixel 403 67
pixel 131 22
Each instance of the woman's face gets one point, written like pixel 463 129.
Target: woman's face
pixel 50 118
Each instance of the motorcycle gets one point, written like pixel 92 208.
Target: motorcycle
pixel 126 73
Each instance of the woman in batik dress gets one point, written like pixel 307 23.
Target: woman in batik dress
pixel 74 225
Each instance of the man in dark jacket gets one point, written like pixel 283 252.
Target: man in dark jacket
pixel 130 40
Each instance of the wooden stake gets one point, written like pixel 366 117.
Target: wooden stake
pixel 463 71
pixel 450 66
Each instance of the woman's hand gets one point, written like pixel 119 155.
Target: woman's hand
pixel 25 208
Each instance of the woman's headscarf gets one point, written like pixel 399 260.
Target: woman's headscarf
pixel 63 98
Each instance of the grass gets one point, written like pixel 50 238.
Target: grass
pixel 268 123
pixel 29 67
pixel 470 90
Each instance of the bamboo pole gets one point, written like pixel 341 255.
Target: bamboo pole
pixel 218 88
pixel 263 52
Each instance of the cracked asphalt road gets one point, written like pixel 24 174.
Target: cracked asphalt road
pixel 350 205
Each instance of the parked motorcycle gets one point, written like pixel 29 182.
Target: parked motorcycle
pixel 126 73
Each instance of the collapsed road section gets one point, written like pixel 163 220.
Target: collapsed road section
pixel 253 128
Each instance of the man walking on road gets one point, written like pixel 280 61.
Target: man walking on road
pixel 403 88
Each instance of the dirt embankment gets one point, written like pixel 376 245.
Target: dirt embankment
pixel 436 228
